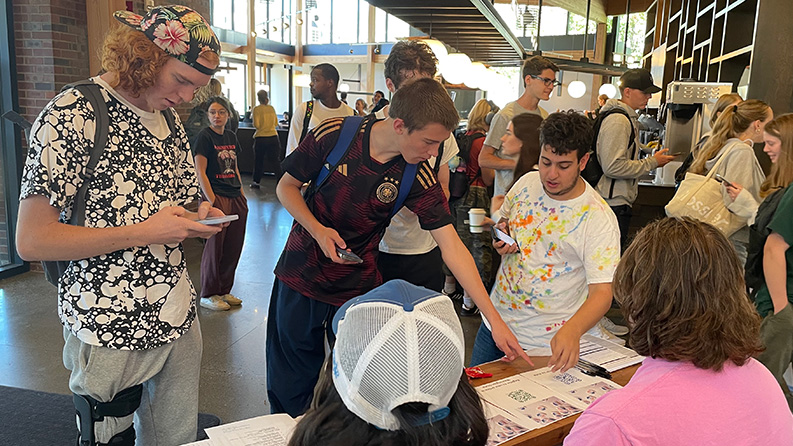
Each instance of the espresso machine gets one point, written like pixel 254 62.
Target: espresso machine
pixel 688 107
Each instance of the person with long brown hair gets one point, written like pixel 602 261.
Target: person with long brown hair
pixel 729 150
pixel 689 315
pixel 522 139
pixel 724 101
pixel 775 293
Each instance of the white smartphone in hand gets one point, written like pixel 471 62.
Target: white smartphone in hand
pixel 219 220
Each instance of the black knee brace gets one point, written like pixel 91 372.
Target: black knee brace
pixel 89 411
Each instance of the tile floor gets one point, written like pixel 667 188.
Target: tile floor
pixel 233 377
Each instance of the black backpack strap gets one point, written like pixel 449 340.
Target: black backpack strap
pixel 437 166
pixel 168 113
pixel 307 119
pixel 92 92
pixel 631 143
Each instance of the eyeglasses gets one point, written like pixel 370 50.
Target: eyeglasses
pixel 218 112
pixel 546 81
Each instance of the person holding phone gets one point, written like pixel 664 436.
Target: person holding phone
pixel 219 176
pixel 736 130
pixel 554 284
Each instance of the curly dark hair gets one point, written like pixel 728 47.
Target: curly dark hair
pixel 565 132
pixel 329 72
pixel 681 288
pixel 328 422
pixel 407 56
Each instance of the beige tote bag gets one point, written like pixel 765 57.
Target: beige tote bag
pixel 699 197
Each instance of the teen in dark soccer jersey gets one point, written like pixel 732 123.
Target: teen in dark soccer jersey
pixel 351 211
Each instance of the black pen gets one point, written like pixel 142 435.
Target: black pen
pixel 594 369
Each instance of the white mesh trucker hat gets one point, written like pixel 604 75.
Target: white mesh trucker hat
pixel 397 344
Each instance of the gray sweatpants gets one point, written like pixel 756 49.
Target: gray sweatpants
pixel 168 411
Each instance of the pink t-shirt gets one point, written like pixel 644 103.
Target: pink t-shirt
pixel 674 403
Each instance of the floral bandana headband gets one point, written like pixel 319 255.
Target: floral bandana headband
pixel 177 30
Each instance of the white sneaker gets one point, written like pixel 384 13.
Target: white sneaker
pixel 214 303
pixel 619 330
pixel 232 300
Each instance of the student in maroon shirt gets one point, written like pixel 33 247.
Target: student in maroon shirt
pixel 351 211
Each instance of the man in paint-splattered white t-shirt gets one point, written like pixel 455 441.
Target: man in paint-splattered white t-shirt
pixel 554 284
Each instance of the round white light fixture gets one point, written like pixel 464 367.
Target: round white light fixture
pixel 492 80
pixel 302 80
pixel 576 89
pixel 609 90
pixel 476 76
pixel 438 48
pixel 455 67
pixel 344 88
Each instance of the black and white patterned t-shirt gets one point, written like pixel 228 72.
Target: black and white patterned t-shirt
pixel 132 299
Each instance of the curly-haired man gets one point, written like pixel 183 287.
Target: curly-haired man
pixel 132 339
pixel 554 283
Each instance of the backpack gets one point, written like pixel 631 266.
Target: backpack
pixel 458 177
pixel 307 120
pixel 54 269
pixel 593 170
pixel 349 128
pixel 758 233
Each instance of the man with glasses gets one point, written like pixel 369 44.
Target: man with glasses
pixel 539 78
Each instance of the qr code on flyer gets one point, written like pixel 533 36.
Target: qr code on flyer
pixel 521 395
pixel 566 378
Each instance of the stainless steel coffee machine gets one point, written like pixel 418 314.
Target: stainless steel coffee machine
pixel 688 106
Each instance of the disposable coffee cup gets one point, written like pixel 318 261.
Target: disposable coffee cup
pixel 476 218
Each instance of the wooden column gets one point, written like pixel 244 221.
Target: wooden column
pixel 100 21
pixel 251 54
pixel 600 57
pixel 368 84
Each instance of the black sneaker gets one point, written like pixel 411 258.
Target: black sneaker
pixel 455 295
pixel 464 311
pixel 255 185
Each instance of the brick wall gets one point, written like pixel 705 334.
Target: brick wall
pixel 51 41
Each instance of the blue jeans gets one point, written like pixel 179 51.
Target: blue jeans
pixel 485 349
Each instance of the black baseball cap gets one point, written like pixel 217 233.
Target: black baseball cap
pixel 639 79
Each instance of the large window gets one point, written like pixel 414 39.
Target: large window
pixel 273 18
pixel 522 20
pixel 636 29
pixel 337 21
pixel 233 74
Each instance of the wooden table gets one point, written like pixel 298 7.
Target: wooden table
pixel 554 433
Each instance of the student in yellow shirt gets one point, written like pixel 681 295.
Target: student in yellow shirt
pixel 266 145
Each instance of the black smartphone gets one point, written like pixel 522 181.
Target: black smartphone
pixel 347 255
